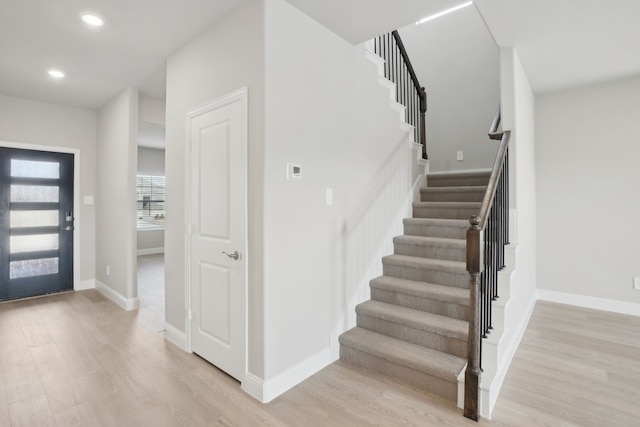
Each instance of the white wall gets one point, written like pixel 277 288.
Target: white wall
pixel 116 198
pixel 152 110
pixel 457 61
pixel 325 110
pixel 227 56
pixel 29 122
pixel 151 161
pixel 588 181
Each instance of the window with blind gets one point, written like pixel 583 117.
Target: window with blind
pixel 150 196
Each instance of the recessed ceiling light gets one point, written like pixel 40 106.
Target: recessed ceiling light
pixel 56 74
pixel 444 12
pixel 93 20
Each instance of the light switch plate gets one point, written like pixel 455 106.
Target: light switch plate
pixel 460 156
pixel 636 283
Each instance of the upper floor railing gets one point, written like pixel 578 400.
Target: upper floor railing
pixel 409 93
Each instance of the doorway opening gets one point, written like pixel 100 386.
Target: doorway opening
pixel 150 190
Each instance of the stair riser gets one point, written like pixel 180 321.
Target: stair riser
pixel 435 231
pixel 456 311
pixel 457 181
pixel 444 253
pixel 444 213
pixel 471 196
pixel 427 339
pixel 459 280
pixel 445 389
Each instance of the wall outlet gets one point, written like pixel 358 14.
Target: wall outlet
pixel 108 271
pixel 636 283
pixel 460 156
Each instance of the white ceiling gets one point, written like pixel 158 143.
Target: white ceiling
pixel 568 43
pixel 138 36
pixel 561 43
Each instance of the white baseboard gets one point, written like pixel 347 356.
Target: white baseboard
pixel 85 284
pixel 150 251
pixel 614 306
pixel 176 336
pixel 126 303
pixel 267 390
pixel 254 387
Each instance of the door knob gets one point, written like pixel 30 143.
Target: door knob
pixel 234 254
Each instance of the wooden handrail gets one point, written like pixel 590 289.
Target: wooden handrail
pixel 493 180
pixel 407 61
pixel 493 129
pixel 481 293
pixel 399 70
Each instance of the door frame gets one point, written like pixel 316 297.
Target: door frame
pixel 242 96
pixel 77 283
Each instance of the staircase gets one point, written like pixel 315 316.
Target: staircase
pixel 415 326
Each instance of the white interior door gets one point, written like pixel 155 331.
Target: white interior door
pixel 217 138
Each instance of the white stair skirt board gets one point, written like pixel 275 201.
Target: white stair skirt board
pixel 614 306
pixel 127 304
pixel 503 350
pixel 363 291
pixel 175 336
pixel 85 284
pixel 500 346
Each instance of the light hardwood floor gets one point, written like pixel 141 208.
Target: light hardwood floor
pixel 78 359
pixel 151 291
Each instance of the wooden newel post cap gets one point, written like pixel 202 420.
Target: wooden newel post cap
pixel 474 221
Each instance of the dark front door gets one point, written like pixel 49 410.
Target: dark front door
pixel 36 222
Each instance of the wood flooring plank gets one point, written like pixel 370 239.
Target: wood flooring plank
pixel 20 374
pixel 32 412
pixel 77 359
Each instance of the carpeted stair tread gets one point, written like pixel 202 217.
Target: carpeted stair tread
pixel 431 247
pixel 421 289
pixel 426 263
pixel 469 193
pixel 436 227
pixel 450 210
pixel 431 241
pixel 432 270
pixel 436 363
pixel 458 179
pixel 416 319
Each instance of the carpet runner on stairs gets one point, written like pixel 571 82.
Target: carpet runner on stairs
pixel 415 326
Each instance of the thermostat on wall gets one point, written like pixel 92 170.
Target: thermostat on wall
pixel 294 172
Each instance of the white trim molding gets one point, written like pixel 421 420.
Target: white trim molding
pixel 254 387
pixel 150 251
pixel 614 306
pixel 175 336
pixel 85 284
pixel 267 390
pixel 127 304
